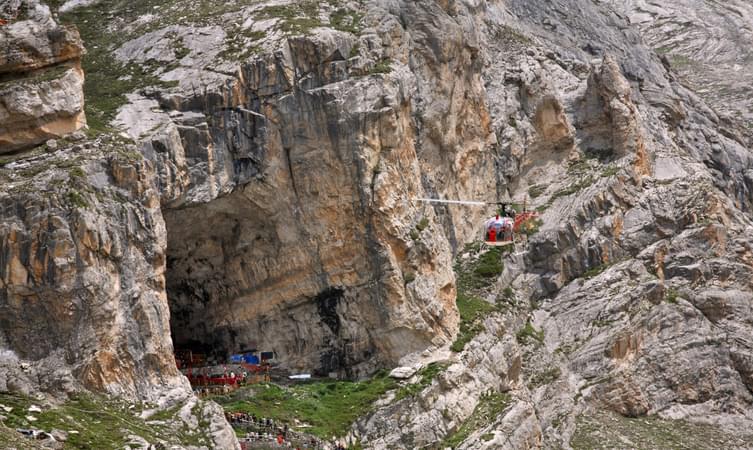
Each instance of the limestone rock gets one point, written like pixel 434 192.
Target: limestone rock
pixel 263 194
pixel 402 373
pixel 41 81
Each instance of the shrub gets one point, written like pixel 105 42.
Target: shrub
pixel 383 66
pixel 490 263
pixel 528 334
pixel 536 190
pixel 471 310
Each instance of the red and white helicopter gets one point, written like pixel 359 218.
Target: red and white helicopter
pixel 501 229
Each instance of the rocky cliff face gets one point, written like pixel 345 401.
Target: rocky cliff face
pixel 41 81
pixel 261 193
pixel 634 297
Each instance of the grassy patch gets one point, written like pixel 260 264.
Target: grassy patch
pixel 610 171
pixel 241 44
pixel 545 377
pixel 20 156
pixel 530 335
pixel 574 188
pixel 508 34
pixel 536 190
pixel 671 295
pixel 76 199
pixel 427 375
pixel 76 172
pixel 488 409
pixel 474 276
pixel 600 323
pixel 472 310
pixel 295 18
pixel 330 407
pixel 383 66
pixel 680 61
pixel 489 264
pixel 602 429
pixel 422 224
pixel 594 271
pixel 346 20
pixel 481 271
pixel 101 423
pixel 107 80
pixel 409 277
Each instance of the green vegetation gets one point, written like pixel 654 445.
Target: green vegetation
pixel 77 199
pixel 508 34
pixel 530 335
pixel 423 224
pixel 489 264
pixel 383 66
pixel 346 20
pixel 671 295
pixel 415 235
pixel 13 157
pixel 601 154
pixel 548 376
pixel 473 277
pixel 409 277
pixel 508 293
pixel 107 80
pixel 600 323
pixel 101 423
pixel 330 407
pixel 680 61
pixel 610 171
pixel 354 51
pixel 594 271
pixel 481 271
pixel 295 18
pixel 490 407
pixel 38 76
pixel 427 375
pixel 536 190
pixel 601 429
pixel 76 172
pixel 179 48
pixel 472 310
pixel 576 187
pixel 240 44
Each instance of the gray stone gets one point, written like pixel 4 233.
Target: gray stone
pixel 59 435
pixel 402 373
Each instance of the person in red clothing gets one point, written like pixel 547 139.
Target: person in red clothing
pixel 492 235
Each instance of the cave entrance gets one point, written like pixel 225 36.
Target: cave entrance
pixel 240 277
pixel 218 260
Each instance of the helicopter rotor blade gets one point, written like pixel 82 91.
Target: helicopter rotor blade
pixel 453 202
pixel 467 202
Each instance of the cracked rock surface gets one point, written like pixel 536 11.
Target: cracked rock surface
pixel 252 182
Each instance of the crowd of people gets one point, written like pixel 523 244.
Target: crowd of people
pixel 262 432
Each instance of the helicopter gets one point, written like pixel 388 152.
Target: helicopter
pixel 500 230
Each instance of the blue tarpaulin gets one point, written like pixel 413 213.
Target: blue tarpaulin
pixel 250 358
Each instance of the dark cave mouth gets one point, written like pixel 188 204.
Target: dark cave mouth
pixel 212 285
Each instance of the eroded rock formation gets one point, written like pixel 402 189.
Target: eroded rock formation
pixel 263 191
pixel 41 80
